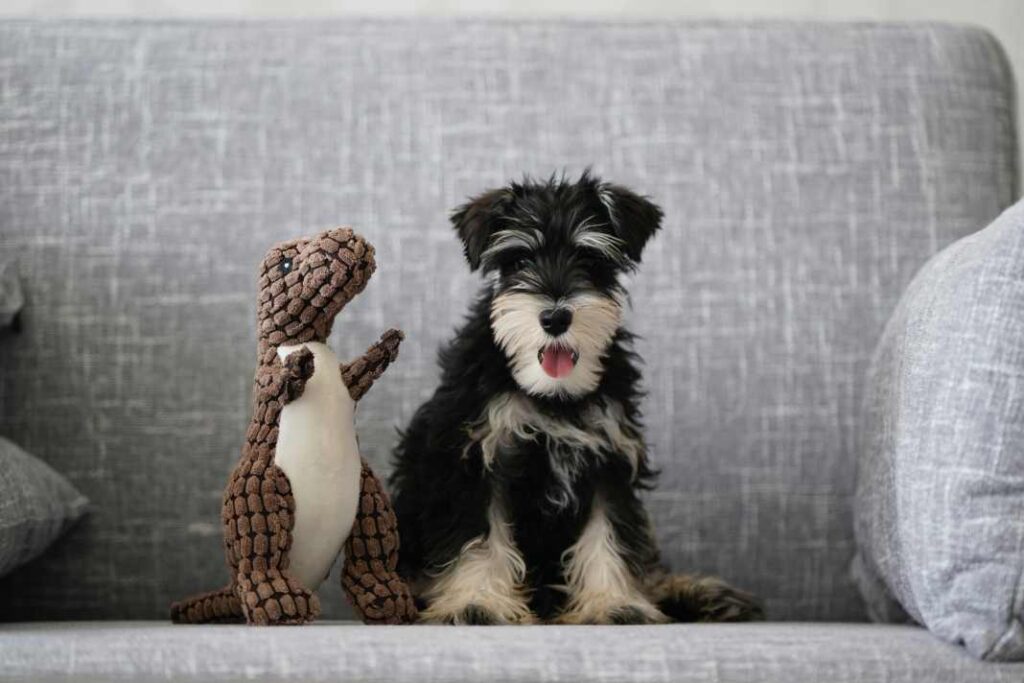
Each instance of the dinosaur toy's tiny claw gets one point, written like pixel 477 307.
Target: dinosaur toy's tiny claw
pixel 298 368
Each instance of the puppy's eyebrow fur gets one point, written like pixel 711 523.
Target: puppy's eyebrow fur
pixel 586 236
pixel 604 194
pixel 505 240
pixel 527 280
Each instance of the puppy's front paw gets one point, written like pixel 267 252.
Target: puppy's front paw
pixel 472 614
pixel 630 614
pixel 626 613
pixel 477 616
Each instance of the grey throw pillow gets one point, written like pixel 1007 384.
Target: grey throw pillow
pixel 36 506
pixel 940 497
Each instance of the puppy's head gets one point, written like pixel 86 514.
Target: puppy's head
pixel 555 252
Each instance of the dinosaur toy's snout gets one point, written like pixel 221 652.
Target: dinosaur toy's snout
pixel 344 247
pixel 304 283
pixel 336 265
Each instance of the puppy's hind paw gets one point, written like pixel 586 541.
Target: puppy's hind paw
pixel 708 599
pixel 629 615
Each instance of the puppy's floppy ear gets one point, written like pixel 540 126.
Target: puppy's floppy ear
pixel 633 218
pixel 475 220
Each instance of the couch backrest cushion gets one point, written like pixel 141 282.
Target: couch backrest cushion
pixel 806 171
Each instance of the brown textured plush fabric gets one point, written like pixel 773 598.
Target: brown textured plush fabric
pixel 360 374
pixel 303 285
pixel 370 576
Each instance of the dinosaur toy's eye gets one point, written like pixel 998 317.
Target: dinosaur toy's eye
pixel 285 266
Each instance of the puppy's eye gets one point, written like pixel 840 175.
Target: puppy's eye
pixel 285 266
pixel 516 265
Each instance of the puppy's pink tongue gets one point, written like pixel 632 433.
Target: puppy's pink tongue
pixel 557 361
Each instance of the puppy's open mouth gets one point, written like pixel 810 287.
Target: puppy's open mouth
pixel 557 360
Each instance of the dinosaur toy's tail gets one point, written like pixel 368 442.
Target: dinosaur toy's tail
pixel 216 607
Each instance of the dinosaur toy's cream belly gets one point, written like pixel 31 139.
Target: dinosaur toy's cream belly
pixel 317 450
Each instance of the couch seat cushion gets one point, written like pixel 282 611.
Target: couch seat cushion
pixel 784 652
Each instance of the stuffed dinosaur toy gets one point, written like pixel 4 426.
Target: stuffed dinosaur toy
pixel 300 493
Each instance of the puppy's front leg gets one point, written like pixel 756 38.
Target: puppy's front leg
pixel 484 584
pixel 602 588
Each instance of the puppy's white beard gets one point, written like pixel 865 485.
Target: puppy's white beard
pixel 515 322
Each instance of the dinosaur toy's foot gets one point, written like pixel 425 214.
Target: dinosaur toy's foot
pixel 274 598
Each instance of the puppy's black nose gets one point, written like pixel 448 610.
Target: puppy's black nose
pixel 555 321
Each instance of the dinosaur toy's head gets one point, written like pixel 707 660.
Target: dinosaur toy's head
pixel 305 282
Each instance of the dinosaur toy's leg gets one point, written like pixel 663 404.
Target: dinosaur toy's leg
pixel 259 508
pixel 257 514
pixel 369 577
pixel 268 593
pixel 360 374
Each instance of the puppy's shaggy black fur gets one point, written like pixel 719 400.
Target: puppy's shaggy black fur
pixel 516 485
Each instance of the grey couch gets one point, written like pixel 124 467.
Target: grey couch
pixel 806 172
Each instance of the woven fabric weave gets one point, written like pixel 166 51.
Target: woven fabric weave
pixel 806 172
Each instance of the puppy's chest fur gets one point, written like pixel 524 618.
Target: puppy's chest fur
pixel 544 468
pixel 552 460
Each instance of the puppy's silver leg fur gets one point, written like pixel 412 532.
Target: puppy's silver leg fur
pixel 602 589
pixel 484 584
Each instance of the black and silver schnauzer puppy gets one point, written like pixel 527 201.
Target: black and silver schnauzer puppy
pixel 516 486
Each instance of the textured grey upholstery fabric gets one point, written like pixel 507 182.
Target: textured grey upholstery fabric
pixel 806 170
pixel 37 505
pixel 755 653
pixel 12 299
pixel 940 496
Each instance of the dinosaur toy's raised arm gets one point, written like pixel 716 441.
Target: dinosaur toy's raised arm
pixel 360 374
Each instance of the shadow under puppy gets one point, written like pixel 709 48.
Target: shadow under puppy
pixel 516 485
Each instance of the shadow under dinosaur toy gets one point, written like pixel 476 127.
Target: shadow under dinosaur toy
pixel 300 493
